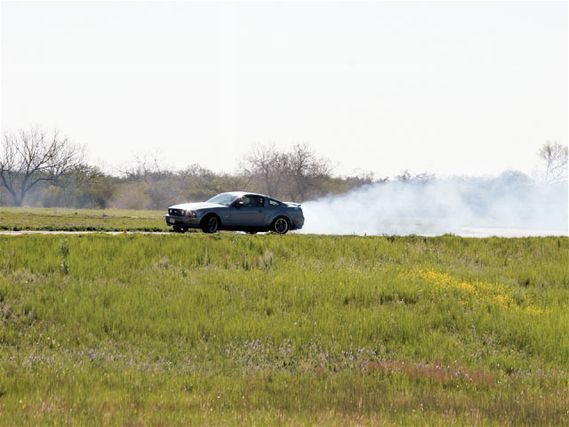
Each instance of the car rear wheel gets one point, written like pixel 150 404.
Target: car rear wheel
pixel 281 225
pixel 210 224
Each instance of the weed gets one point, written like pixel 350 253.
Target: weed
pixel 190 329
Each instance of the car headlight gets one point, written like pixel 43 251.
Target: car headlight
pixel 190 214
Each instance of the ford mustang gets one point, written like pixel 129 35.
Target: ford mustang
pixel 237 210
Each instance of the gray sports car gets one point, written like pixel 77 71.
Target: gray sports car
pixel 237 210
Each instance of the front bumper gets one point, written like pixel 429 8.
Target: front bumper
pixel 182 221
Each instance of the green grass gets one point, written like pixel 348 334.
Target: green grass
pixel 60 219
pixel 236 329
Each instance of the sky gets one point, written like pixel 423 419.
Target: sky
pixel 453 88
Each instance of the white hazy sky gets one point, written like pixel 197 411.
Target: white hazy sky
pixel 447 87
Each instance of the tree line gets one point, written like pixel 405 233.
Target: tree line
pixel 44 169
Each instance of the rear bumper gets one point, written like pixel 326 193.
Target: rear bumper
pixel 297 223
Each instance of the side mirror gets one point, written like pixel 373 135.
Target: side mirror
pixel 239 204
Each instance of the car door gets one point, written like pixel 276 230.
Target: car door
pixel 249 214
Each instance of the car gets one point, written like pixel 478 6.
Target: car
pixel 237 210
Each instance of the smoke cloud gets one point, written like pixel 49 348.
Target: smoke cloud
pixel 509 205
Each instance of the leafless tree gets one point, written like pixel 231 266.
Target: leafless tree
pixel 292 174
pixel 409 177
pixel 305 170
pixel 144 167
pixel 30 157
pixel 554 156
pixel 268 165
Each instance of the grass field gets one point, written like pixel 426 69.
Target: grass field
pixel 60 219
pixel 237 329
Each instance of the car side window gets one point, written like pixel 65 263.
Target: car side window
pixel 255 201
pixel 273 203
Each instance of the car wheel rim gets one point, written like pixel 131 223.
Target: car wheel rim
pixel 212 225
pixel 281 225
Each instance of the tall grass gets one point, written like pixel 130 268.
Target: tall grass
pixel 81 219
pixel 230 328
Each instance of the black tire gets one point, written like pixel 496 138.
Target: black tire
pixel 281 225
pixel 210 224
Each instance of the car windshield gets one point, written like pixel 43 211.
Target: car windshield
pixel 223 199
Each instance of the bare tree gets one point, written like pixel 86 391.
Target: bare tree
pixel 554 156
pixel 267 164
pixel 294 173
pixel 144 167
pixel 33 156
pixel 305 171
pixel 409 177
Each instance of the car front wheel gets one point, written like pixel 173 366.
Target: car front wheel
pixel 281 225
pixel 210 224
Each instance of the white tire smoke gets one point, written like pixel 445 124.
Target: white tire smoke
pixel 509 205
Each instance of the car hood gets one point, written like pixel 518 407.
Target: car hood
pixel 196 206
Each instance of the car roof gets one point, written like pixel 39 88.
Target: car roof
pixel 242 193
